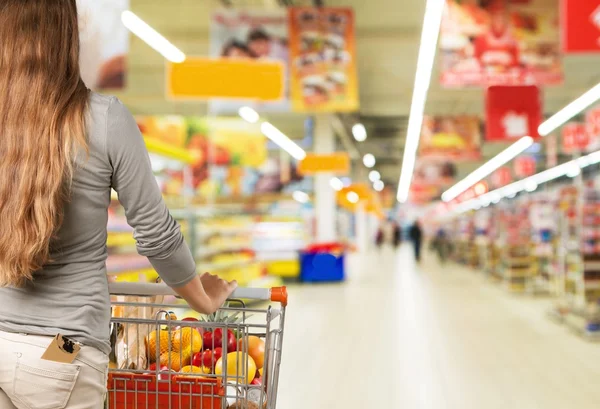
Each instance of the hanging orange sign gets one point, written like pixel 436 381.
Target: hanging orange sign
pixel 338 163
pixel 202 78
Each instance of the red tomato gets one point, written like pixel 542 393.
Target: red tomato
pixel 207 340
pixel 231 343
pixel 197 359
pixel 208 359
pixel 217 353
pixel 164 373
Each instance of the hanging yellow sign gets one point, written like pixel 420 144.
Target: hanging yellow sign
pixel 338 163
pixel 203 78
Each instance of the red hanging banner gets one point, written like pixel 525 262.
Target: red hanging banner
pixel 574 137
pixel 592 128
pixel 501 177
pixel 524 166
pixel 512 112
pixel 580 25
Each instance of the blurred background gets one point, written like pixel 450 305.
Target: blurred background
pixel 422 174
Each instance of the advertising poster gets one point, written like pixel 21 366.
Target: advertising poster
pixel 104 43
pixel 323 60
pixel 254 35
pixel 232 156
pixel 431 178
pixel 503 42
pixel 580 26
pixel 445 137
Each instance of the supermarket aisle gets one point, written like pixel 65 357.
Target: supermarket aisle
pixel 401 336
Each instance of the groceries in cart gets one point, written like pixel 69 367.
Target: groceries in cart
pixel 229 359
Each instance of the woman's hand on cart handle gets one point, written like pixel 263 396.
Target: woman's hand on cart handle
pixel 206 293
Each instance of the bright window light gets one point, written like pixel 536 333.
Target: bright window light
pixel 487 168
pixel 300 196
pixel 369 160
pixel 359 132
pixel 282 140
pixel 428 46
pixel 336 184
pixel 568 112
pixel 249 115
pixel 374 176
pixel 378 185
pixel 151 37
pixel 352 197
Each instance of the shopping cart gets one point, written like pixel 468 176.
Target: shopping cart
pixel 160 361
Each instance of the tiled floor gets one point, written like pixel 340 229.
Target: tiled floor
pixel 396 335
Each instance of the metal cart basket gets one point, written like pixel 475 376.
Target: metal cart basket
pixel 160 360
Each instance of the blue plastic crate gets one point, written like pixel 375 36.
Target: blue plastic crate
pixel 319 267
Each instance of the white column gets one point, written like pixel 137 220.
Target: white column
pixel 324 142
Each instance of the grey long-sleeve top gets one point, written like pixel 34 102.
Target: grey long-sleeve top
pixel 70 295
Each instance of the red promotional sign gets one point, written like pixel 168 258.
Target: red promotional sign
pixel 524 166
pixel 512 112
pixel 592 128
pixel 574 137
pixel 580 26
pixel 501 177
pixel 551 151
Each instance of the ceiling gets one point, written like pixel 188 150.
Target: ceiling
pixel 387 35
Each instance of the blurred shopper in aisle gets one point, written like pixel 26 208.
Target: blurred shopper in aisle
pixel 396 234
pixel 63 149
pixel 441 245
pixel 379 237
pixel 416 236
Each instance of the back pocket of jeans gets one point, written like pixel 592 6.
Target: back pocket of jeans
pixel 41 384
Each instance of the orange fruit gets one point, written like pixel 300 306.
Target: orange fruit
pixel 160 338
pixel 237 363
pixel 176 360
pixel 187 338
pixel 255 348
pixel 200 372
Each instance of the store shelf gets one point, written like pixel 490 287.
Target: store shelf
pixel 168 150
pixel 120 239
pixel 215 267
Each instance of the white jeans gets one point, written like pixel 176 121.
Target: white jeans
pixel 29 382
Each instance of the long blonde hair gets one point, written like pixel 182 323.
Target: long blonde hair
pixel 43 105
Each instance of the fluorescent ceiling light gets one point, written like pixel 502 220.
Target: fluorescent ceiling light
pixel 487 168
pixel 359 132
pixel 374 176
pixel 530 183
pixel 249 115
pixel 428 45
pixel 336 184
pixel 369 160
pixel 378 185
pixel 352 197
pixel 574 171
pixel 568 112
pixel 282 140
pixel 300 196
pixel 152 37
